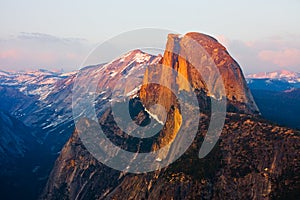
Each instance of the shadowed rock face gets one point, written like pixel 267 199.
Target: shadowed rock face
pixel 254 159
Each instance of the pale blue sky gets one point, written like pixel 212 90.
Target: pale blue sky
pixel 59 34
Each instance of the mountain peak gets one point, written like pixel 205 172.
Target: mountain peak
pixel 192 56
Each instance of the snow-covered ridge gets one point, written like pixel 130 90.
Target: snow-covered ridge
pixel 39 82
pixel 3 73
pixel 291 77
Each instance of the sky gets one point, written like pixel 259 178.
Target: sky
pixel 260 35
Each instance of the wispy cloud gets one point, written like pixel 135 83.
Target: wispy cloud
pixel 8 54
pixel 48 38
pixel 266 54
pixel 283 58
pixel 39 50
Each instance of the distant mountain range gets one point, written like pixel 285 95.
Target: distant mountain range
pixel 35 83
pixel 40 83
pixel 275 81
pixel 277 95
pixel 291 77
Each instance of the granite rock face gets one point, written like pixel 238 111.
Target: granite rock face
pixel 207 66
pixel 253 159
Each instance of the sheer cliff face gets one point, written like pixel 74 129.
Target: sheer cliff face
pixel 207 66
pixel 253 159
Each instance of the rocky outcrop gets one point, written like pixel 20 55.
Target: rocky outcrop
pixel 254 159
pixel 207 66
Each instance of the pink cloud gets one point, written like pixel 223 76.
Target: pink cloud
pixel 72 56
pixel 47 57
pixel 8 54
pixel 39 50
pixel 282 58
pixel 264 54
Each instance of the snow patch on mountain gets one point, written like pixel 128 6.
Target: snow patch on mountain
pixel 289 76
pixel 37 83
